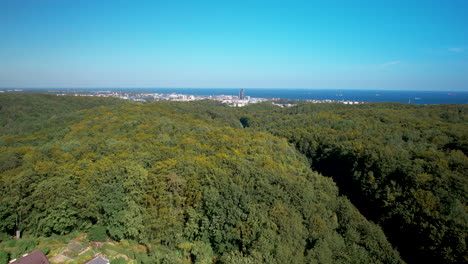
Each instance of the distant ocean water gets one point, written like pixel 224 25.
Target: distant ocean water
pixel 415 97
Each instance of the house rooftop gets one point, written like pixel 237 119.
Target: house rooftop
pixel 98 260
pixel 36 257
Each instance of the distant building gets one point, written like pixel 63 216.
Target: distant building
pixel 242 94
pixel 36 257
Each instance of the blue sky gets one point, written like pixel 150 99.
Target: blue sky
pixel 234 44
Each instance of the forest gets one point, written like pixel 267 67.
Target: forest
pixel 201 182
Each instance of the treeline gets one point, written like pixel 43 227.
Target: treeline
pixel 404 166
pixel 184 179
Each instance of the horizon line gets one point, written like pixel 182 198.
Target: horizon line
pixel 259 88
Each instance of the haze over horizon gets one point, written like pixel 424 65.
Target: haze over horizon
pixel 240 44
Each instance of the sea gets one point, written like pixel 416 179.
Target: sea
pixel 420 97
pixel 397 96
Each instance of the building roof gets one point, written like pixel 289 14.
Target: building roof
pixel 98 260
pixel 36 257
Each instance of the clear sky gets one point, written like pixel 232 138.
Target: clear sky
pixel 376 44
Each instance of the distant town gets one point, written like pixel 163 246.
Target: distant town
pixel 239 100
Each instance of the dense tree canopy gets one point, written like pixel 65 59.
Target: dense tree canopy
pixel 404 166
pixel 207 183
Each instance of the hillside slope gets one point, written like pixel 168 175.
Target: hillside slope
pixel 187 184
pixel 404 166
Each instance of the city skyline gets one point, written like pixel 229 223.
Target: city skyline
pixel 419 45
